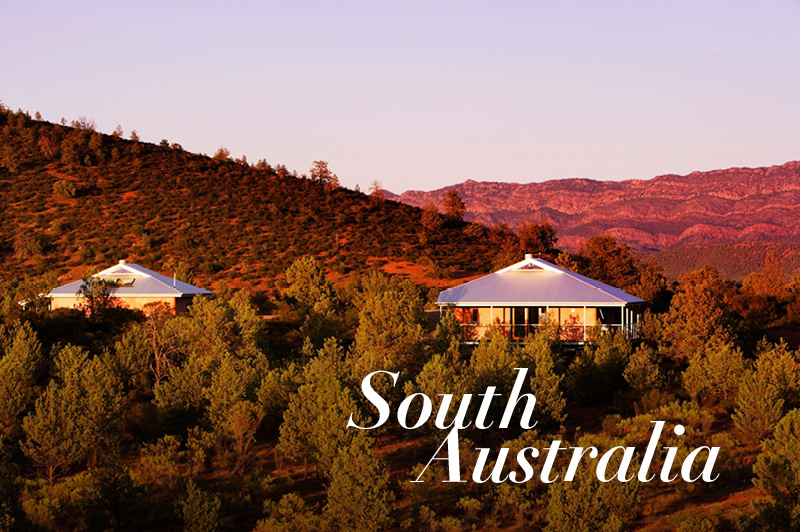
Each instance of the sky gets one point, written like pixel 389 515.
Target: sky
pixel 420 95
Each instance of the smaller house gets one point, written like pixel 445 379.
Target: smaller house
pixel 134 287
pixel 534 293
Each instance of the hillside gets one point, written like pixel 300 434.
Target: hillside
pixel 74 198
pixel 734 261
pixel 666 212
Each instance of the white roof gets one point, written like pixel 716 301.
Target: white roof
pixel 133 280
pixel 535 282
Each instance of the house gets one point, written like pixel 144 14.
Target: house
pixel 134 286
pixel 534 293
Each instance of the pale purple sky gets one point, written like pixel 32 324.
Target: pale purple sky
pixel 424 94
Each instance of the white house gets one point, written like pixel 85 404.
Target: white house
pixel 534 293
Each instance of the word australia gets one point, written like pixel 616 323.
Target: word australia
pixel 622 464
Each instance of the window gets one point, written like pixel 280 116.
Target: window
pixel 474 315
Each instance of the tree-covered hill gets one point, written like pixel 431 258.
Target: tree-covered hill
pixel 73 197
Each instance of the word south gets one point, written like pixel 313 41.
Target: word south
pixel 621 464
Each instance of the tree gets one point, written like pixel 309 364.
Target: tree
pixel 290 514
pixel 715 374
pixel 314 424
pixel 97 296
pixel 307 283
pixel 390 334
pixel 643 372
pixel 437 377
pixel 54 437
pixel 699 312
pixel 376 192
pixel 199 510
pixel 86 124
pixel 567 261
pixel 64 188
pixel 758 407
pixel 545 382
pixel 778 466
pixel 507 250
pixel 611 353
pixel 609 262
pixel 222 154
pixel 359 499
pixel 454 206
pixel 779 366
pixel 316 298
pixel 537 238
pixel 588 505
pixel 233 417
pixel 651 284
pixel 431 219
pixel 163 343
pixel 20 365
pixel 96 389
pixel 322 174
pixel 101 404
pixel 770 280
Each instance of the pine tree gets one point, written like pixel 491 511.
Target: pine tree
pixel 290 514
pixel 314 425
pixel 321 173
pixel 390 334
pixel 780 367
pixel 19 368
pixel 699 313
pixel 545 382
pixel 54 436
pixel 431 219
pixel 454 206
pixel 643 372
pixel 199 510
pixel 716 373
pixel 758 407
pixel 611 353
pixel 778 466
pixel 537 238
pixel 359 499
pixel 588 505
pixel 101 404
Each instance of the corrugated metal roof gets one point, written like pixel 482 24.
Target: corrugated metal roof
pixel 136 281
pixel 535 282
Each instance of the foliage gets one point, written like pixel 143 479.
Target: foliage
pixel 588 505
pixel 715 374
pixel 643 372
pixel 545 382
pixel 20 365
pixel 314 424
pixel 777 469
pixel 758 407
pixel 699 312
pixel 537 238
pixel 290 514
pixel 251 221
pixel 359 499
pixel 54 436
pixel 453 205
pixel 199 510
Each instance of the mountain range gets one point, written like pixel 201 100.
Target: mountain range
pixel 699 211
pixel 702 208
